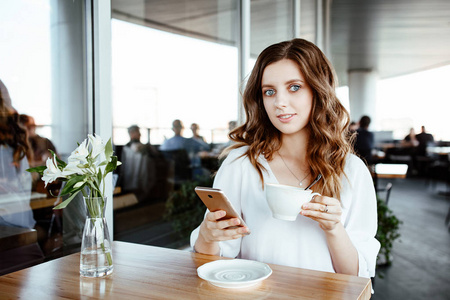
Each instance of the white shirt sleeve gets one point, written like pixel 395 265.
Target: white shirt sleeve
pixel 229 180
pixel 360 214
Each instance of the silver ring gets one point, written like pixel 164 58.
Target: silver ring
pixel 326 208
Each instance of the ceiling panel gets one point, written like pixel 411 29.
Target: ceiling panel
pixel 392 37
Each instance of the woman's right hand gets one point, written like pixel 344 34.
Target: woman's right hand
pixel 213 231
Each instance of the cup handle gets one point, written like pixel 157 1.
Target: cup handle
pixel 314 194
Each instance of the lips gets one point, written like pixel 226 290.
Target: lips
pixel 285 118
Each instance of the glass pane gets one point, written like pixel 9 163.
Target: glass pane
pixel 171 60
pixel 308 20
pixel 42 106
pixel 271 22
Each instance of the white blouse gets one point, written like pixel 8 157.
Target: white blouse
pixel 300 243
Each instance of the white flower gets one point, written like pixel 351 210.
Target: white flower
pixel 72 168
pixel 79 155
pixel 52 172
pixel 100 158
pixel 97 145
pixel 78 184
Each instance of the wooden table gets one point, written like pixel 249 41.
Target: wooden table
pixel 147 272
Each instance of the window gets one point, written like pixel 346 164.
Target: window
pixel 43 61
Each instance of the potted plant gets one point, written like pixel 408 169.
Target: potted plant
pixel 184 209
pixel 387 233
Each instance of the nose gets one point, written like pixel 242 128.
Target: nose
pixel 280 100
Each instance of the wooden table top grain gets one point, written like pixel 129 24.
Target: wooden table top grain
pixel 147 272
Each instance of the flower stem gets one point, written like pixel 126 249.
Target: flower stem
pixel 95 211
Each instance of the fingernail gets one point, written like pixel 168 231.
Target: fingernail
pixel 305 206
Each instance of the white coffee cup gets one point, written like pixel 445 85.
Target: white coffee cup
pixel 286 201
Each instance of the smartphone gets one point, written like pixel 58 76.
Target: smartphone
pixel 215 199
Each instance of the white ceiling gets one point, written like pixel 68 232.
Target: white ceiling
pixel 393 37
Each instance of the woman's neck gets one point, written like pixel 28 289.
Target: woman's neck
pixel 295 145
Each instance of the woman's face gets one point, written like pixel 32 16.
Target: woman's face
pixel 287 97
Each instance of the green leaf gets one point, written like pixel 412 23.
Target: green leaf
pixel 39 170
pixel 103 163
pixel 61 163
pixel 67 201
pixel 108 149
pixel 112 165
pixel 68 187
pixel 94 188
pixel 99 177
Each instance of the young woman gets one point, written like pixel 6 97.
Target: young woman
pixel 296 128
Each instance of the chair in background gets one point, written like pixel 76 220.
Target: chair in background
pixel 182 170
pixel 386 190
pixel 138 173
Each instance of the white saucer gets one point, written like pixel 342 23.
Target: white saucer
pixel 234 273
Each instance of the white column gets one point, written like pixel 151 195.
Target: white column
pixel 69 112
pixel 319 24
pixel 323 25
pixel 243 52
pixel 296 23
pixel 362 86
pixel 101 86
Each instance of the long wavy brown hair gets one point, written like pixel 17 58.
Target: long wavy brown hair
pixel 330 141
pixel 11 133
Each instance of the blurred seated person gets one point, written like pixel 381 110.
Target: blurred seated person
pixel 15 182
pixel 138 170
pixel 193 147
pixel 195 135
pixel 364 143
pixel 410 140
pixel 424 139
pixel 135 142
pixel 231 126
pixel 353 127
pixel 39 145
pixel 179 142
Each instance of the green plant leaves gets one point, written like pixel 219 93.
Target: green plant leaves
pixel 108 150
pixel 388 229
pixel 40 170
pixel 85 171
pixel 112 165
pixel 69 186
pixel 67 201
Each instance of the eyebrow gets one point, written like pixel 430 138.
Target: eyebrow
pixel 287 82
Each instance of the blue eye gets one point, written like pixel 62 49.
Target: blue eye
pixel 294 87
pixel 269 93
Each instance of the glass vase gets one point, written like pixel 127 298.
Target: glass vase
pixel 96 255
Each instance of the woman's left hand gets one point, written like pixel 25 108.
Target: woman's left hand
pixel 325 210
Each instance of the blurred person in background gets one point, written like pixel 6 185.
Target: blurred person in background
pixel 135 142
pixel 410 140
pixel 364 143
pixel 15 182
pixel 195 135
pixel 39 145
pixel 424 140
